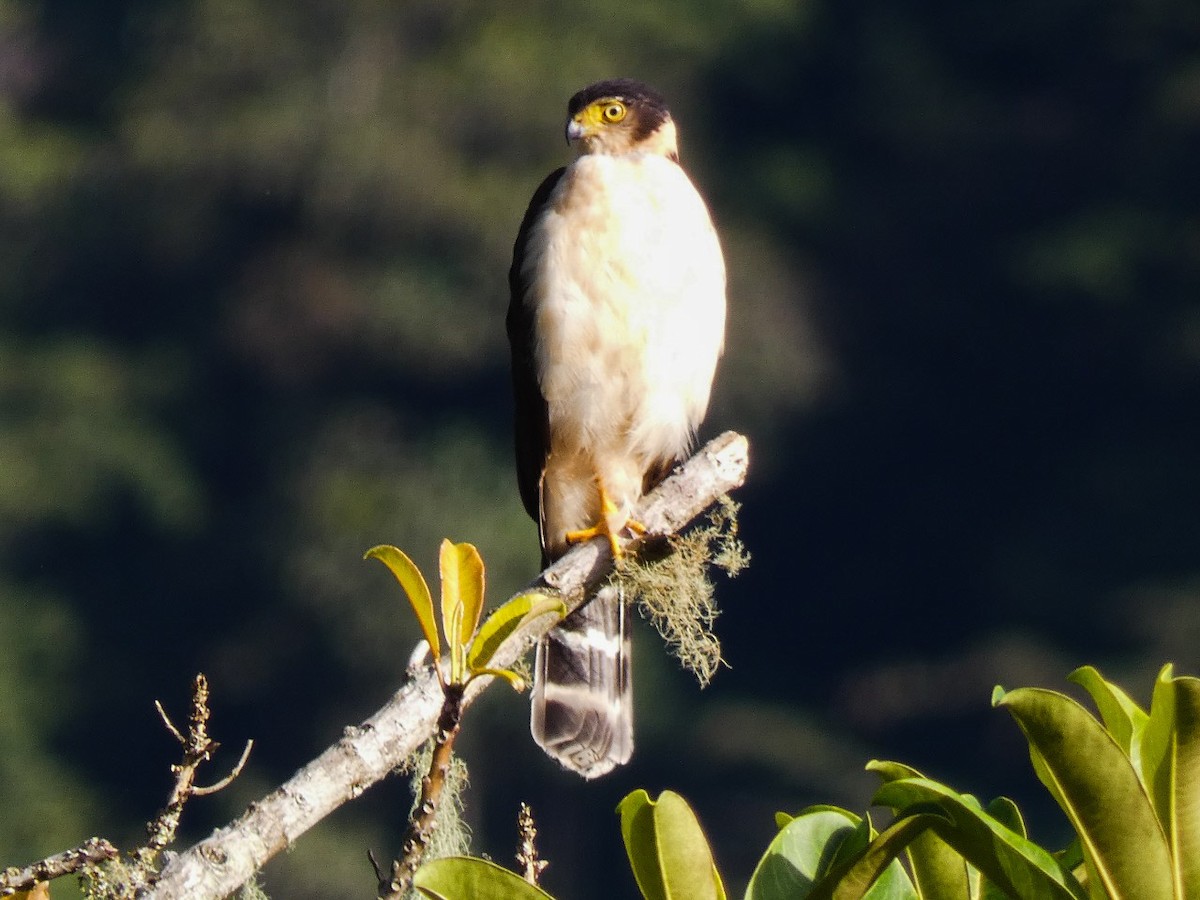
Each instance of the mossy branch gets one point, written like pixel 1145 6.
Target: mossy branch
pixel 528 861
pixel 369 752
pixel 26 878
pixel 395 884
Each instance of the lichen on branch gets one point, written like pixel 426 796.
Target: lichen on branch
pixel 675 593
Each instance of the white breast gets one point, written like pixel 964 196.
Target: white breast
pixel 628 292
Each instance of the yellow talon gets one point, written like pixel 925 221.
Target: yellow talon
pixel 599 529
pixel 602 528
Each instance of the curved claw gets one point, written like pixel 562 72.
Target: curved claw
pixel 603 527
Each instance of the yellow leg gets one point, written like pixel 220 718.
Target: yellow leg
pixel 602 527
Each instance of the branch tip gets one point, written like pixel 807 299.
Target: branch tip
pixel 228 779
pixel 162 714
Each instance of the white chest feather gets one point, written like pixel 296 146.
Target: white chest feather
pixel 628 293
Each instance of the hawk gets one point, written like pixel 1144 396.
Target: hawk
pixel 616 323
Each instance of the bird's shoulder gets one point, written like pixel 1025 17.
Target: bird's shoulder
pixel 537 205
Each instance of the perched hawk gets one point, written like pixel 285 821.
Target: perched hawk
pixel 616 322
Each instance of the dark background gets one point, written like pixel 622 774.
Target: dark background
pixel 252 283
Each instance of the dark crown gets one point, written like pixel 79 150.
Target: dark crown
pixel 627 90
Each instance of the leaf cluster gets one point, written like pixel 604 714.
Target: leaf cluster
pixel 1128 782
pixel 469 645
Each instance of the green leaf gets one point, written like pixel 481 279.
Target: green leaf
pixel 1089 775
pixel 800 854
pixel 892 771
pixel 939 871
pixel 1007 814
pixel 875 872
pixel 689 870
pixel 641 843
pixel 1157 744
pixel 1012 862
pixel 1185 820
pixel 853 846
pixel 1072 855
pixel 667 849
pixel 467 878
pixel 504 622
pixel 1172 758
pixel 1123 718
pixel 462 601
pixel 415 589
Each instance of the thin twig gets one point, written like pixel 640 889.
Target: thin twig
pixel 527 854
pixel 198 791
pixel 162 714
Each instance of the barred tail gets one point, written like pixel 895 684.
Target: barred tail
pixel 582 708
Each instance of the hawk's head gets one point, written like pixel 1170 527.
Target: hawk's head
pixel 620 116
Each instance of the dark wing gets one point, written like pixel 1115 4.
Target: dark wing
pixel 658 471
pixel 531 423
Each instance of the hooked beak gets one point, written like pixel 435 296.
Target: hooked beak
pixel 574 131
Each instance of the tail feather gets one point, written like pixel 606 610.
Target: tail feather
pixel 582 707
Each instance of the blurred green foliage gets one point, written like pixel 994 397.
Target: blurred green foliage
pixel 252 278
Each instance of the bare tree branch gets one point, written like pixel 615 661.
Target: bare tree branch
pixel 25 878
pixel 369 752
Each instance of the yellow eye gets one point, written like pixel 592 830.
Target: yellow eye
pixel 613 112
